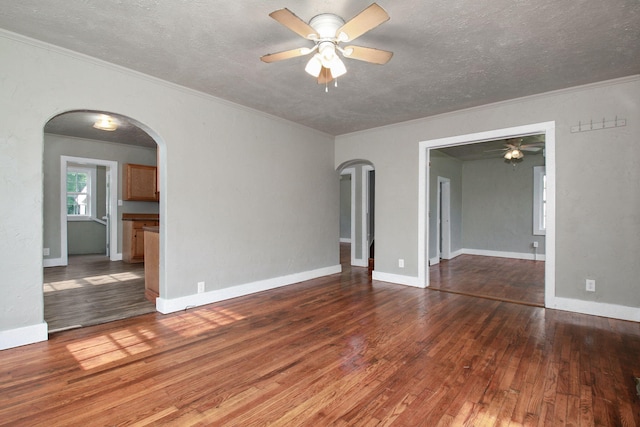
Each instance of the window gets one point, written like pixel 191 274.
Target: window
pixel 80 192
pixel 539 200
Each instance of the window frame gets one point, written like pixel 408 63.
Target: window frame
pixel 91 192
pixel 539 200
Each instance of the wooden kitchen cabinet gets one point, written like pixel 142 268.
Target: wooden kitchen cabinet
pixel 133 235
pixel 140 183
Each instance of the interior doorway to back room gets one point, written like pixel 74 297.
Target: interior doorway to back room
pixel 85 280
pixel 483 237
pixel 357 207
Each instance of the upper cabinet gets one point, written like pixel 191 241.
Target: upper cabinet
pixel 140 183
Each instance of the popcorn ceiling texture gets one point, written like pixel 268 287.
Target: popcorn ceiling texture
pixel 447 55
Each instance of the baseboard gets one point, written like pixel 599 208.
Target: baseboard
pixel 457 253
pixel 502 254
pixel 165 306
pixel 23 336
pixel 53 262
pixel 434 260
pixel 360 262
pixel 117 257
pixel 614 311
pixel 396 278
pixel 345 240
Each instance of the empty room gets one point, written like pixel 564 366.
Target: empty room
pixel 326 213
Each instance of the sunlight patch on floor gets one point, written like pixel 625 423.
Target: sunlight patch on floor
pixel 104 279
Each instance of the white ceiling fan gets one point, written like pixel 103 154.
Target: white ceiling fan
pixel 327 31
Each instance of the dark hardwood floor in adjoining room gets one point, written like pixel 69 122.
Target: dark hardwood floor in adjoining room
pixel 502 279
pixel 337 350
pixel 93 290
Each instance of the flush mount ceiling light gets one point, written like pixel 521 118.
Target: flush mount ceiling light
pixel 106 123
pixel 327 31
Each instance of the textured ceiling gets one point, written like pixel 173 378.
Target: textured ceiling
pixel 448 55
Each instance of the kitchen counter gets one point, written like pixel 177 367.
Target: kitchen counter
pixel 151 263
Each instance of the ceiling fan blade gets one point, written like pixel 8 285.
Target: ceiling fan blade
pixel 279 56
pixel 529 148
pixel 324 76
pixel 366 20
pixel 367 54
pixel 295 24
pixel 496 150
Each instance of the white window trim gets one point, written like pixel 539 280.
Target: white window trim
pixel 92 192
pixel 538 204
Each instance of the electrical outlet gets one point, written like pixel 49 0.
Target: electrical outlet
pixel 535 244
pixel 45 252
pixel 591 285
pixel 200 287
pixel 401 263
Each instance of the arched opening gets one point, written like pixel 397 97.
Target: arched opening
pixel 91 198
pixel 358 178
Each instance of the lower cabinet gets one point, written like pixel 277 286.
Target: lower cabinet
pixel 133 239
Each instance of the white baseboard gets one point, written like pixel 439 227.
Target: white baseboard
pixel 53 262
pixel 360 262
pixel 396 278
pixel 593 308
pixel 117 257
pixel 345 240
pixel 501 254
pixel 434 260
pixel 456 253
pixel 23 336
pixel 165 306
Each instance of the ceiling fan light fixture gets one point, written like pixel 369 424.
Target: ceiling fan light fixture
pixel 314 65
pixel 337 68
pixel 106 123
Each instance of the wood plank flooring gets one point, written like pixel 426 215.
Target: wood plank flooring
pixel 503 279
pixel 338 350
pixel 93 290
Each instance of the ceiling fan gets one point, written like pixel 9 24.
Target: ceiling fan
pixel 327 31
pixel 514 147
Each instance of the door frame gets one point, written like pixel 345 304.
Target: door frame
pixel 443 209
pixel 112 224
pixel 546 128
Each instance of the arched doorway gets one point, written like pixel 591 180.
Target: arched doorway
pixel 83 210
pixel 361 176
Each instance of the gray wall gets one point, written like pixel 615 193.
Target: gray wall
pixel 451 168
pixel 497 202
pixel 345 206
pixel 56 146
pixel 245 196
pixel 597 176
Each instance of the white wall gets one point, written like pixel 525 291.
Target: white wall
pixel 246 198
pixel 597 197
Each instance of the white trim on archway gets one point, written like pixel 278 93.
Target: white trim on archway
pixel 546 128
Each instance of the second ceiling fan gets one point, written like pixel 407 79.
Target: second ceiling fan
pixel 327 31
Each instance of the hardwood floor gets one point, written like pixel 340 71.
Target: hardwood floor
pixel 93 290
pixel 338 350
pixel 503 279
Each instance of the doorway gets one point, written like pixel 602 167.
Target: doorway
pixel 91 286
pixel 548 130
pixel 443 219
pixel 361 175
